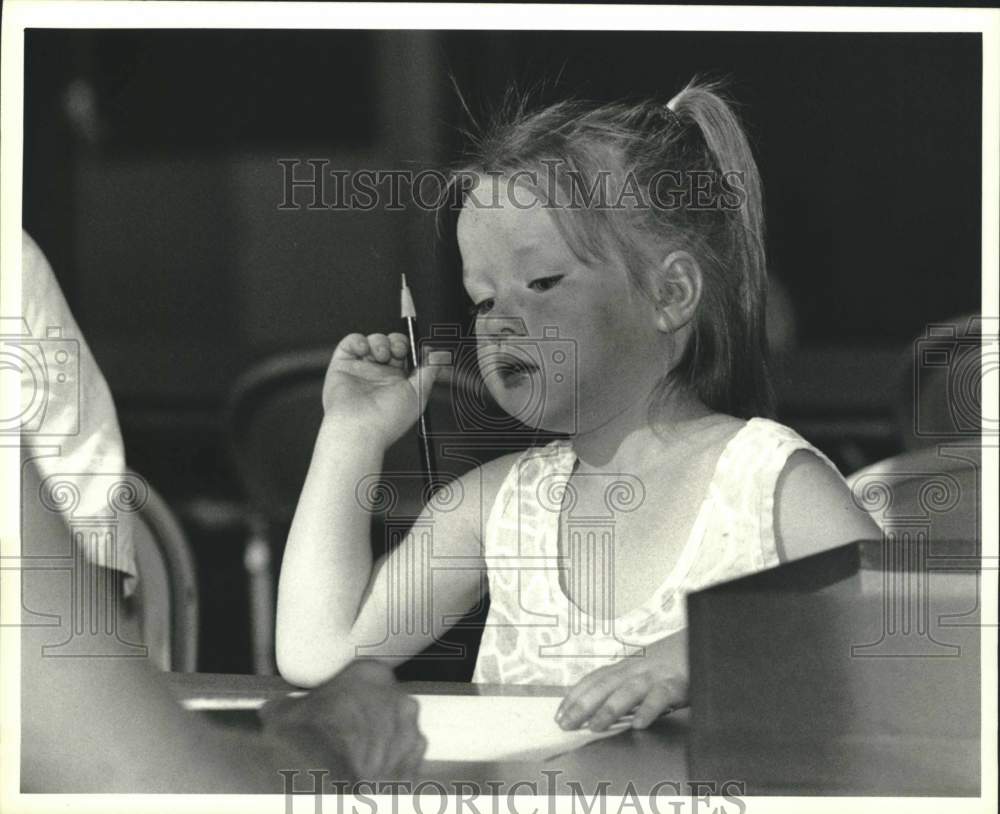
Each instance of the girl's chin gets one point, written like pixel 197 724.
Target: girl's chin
pixel 546 411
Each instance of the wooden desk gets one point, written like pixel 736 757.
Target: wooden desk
pixel 652 761
pixel 644 758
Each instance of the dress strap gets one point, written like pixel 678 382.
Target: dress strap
pixel 524 492
pixel 748 486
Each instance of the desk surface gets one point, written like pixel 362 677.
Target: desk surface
pixel 640 760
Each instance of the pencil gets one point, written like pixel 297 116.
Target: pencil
pixel 408 313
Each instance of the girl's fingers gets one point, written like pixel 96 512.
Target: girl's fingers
pixel 661 698
pixel 394 348
pixel 378 345
pixel 577 690
pixel 399 346
pixel 580 702
pixel 352 346
pixel 623 700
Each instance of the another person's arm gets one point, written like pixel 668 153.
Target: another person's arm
pixel 110 724
pixel 104 724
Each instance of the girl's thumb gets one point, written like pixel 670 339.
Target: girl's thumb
pixel 423 378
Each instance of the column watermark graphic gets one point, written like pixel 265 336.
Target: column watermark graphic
pixel 405 585
pixel 75 524
pixel 49 370
pixel 907 562
pixel 587 563
pixel 928 502
pixel 93 538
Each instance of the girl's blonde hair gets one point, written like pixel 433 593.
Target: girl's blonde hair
pixel 634 181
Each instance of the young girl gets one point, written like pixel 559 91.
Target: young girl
pixel 636 232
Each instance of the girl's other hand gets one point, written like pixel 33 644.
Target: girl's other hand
pixel 648 686
pixel 367 383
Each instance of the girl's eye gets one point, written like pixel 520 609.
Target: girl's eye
pixel 545 283
pixel 481 307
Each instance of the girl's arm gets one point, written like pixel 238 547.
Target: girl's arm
pixel 334 604
pixel 814 509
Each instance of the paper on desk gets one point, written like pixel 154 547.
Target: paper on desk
pixel 497 728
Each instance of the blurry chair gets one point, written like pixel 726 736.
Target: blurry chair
pixel 274 415
pixel 939 395
pixel 935 483
pixel 167 593
pixel 927 504
pixel 935 489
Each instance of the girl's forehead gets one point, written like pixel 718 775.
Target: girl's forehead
pixel 520 227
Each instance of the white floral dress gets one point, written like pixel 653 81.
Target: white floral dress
pixel 535 635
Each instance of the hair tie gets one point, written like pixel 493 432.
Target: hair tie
pixel 670 114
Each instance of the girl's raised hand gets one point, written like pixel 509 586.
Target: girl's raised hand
pixel 367 383
pixel 638 689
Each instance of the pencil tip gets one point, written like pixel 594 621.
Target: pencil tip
pixel 406 306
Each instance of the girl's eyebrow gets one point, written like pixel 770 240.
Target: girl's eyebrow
pixel 529 247
pixel 476 274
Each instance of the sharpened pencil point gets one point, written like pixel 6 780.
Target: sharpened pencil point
pixel 406 307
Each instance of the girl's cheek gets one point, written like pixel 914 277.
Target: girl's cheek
pixel 566 314
pixel 605 320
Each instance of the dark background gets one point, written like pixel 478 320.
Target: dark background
pixel 151 182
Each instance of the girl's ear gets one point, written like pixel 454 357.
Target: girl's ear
pixel 678 291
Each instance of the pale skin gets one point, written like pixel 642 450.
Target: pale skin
pixel 518 267
pixel 111 724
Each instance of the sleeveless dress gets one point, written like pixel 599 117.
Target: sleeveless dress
pixel 535 635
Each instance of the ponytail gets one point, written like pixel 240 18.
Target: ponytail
pixel 740 337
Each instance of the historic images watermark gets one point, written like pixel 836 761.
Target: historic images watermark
pixel 513 797
pixel 923 501
pixel 49 369
pixel 949 360
pixel 532 379
pixel 74 520
pixel 92 511
pixel 313 184
pixel 408 582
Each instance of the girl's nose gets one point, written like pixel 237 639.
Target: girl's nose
pixel 501 327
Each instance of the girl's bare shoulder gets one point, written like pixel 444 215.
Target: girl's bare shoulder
pixel 489 475
pixel 472 496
